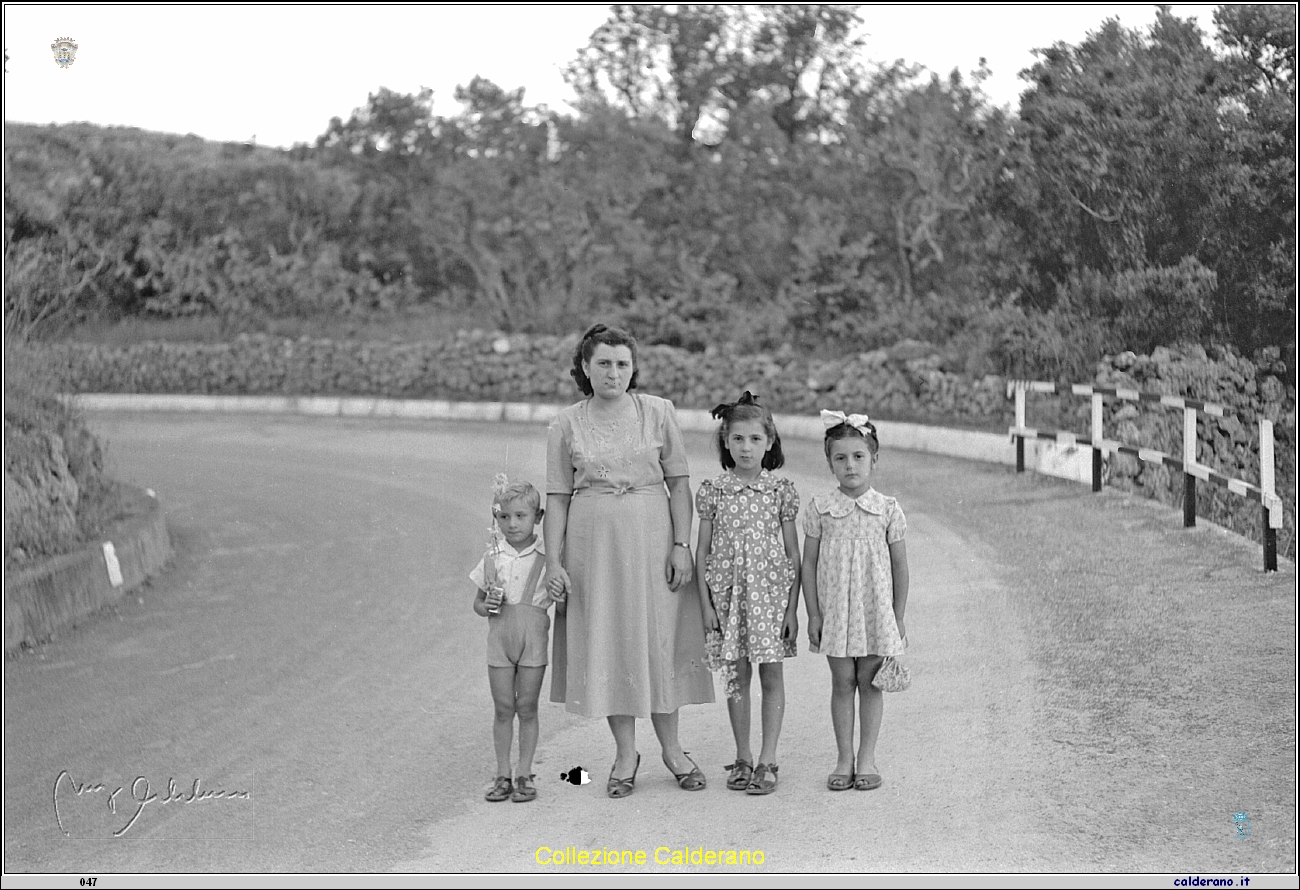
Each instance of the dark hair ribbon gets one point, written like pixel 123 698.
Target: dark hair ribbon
pixel 720 412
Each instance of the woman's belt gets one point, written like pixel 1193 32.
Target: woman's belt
pixel 618 491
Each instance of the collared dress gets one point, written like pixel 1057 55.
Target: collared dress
pixel 627 644
pixel 855 581
pixel 748 571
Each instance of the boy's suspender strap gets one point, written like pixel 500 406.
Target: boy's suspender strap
pixel 535 573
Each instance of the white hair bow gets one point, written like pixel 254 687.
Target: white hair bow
pixel 859 422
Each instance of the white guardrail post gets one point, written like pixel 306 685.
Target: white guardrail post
pixel 1189 461
pixel 1272 507
pixel 1020 424
pixel 1096 442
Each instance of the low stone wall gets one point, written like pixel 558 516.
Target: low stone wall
pixel 48 597
pixel 908 382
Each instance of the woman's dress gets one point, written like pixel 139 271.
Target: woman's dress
pixel 628 644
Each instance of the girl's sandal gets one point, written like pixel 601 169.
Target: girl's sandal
pixel 868 782
pixel 764 779
pixel 839 781
pixel 741 771
pixel 501 788
pixel 525 790
pixel 689 781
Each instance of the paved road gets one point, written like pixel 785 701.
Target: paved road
pixel 313 646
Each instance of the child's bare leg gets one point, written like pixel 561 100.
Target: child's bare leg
pixel 872 711
pixel 772 677
pixel 502 682
pixel 844 688
pixel 528 688
pixel 739 711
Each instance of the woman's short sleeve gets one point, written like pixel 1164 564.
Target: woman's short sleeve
pixel 897 525
pixel 787 501
pixel 559 460
pixel 812 520
pixel 706 500
pixel 672 454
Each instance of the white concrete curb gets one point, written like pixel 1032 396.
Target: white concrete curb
pixel 1073 463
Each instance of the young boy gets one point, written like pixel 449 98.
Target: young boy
pixel 511 593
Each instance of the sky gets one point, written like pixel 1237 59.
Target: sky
pixel 277 74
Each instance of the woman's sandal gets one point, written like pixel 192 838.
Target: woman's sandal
pixel 501 788
pixel 741 771
pixel 622 787
pixel 764 779
pixel 525 790
pixel 690 781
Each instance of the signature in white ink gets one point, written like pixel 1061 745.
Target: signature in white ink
pixel 141 795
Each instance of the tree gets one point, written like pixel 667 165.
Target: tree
pixel 695 67
pixel 1145 149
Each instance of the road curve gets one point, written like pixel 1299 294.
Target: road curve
pixel 313 646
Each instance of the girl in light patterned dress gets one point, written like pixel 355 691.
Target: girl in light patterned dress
pixel 748 570
pixel 855 588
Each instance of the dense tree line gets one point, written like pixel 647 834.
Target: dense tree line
pixel 733 173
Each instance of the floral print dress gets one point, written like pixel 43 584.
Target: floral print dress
pixel 855 579
pixel 748 571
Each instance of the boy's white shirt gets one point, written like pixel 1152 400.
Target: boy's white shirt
pixel 513 568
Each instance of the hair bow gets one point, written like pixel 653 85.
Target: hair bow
pixel 859 422
pixel 746 398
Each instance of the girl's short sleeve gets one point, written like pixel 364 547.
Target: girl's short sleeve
pixel 672 454
pixel 812 520
pixel 559 460
pixel 787 501
pixel 896 527
pixel 706 500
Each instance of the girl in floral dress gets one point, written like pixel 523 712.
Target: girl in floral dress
pixel 748 565
pixel 855 583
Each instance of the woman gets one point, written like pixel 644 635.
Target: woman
pixel 632 641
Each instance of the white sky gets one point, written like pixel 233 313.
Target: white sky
pixel 281 72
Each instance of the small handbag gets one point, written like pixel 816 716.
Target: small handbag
pixel 893 676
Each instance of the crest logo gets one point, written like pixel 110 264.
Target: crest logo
pixel 1241 826
pixel 65 52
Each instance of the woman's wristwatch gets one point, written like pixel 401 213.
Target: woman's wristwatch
pixel 681 544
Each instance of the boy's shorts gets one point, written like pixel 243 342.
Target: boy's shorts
pixel 517 637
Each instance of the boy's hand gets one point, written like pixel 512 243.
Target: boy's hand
pixel 493 599
pixel 558 588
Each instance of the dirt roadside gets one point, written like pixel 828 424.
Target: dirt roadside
pixel 1095 689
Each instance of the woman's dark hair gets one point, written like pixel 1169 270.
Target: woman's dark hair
pixel 747 408
pixel 595 336
pixel 844 431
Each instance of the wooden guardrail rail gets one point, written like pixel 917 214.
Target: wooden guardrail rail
pixel 1264 493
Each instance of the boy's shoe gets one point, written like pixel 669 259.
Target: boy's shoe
pixel 525 790
pixel 501 788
